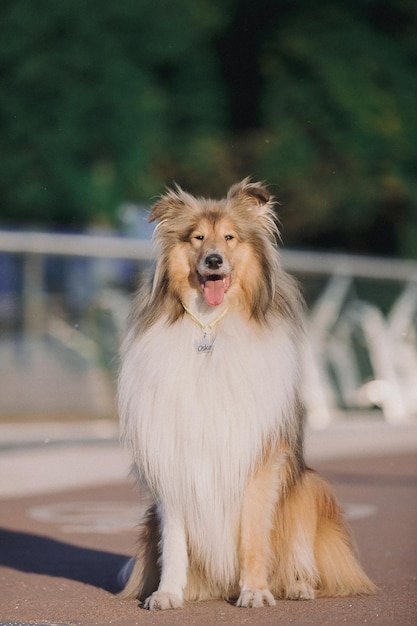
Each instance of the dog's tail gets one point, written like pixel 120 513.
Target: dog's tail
pixel 140 576
pixel 336 555
pixel 316 553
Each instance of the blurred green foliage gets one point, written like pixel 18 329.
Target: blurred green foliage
pixel 104 102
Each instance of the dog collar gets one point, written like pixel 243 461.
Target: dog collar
pixel 206 345
pixel 205 327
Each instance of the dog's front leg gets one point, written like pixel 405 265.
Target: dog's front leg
pixel 254 549
pixel 174 563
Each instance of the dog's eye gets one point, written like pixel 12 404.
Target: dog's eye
pixel 199 237
pixel 229 237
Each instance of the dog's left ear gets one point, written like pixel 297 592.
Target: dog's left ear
pixel 254 196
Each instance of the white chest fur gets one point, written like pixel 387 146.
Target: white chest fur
pixel 197 423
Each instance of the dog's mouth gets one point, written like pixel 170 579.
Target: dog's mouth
pixel 214 287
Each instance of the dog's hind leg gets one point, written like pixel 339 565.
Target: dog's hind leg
pixel 312 549
pixel 141 575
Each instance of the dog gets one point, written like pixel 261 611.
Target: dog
pixel 211 410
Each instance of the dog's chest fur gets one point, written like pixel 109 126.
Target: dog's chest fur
pixel 197 423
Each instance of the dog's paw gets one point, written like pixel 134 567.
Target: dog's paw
pixel 255 598
pixel 300 591
pixel 163 600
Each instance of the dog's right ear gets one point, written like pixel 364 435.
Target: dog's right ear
pixel 170 204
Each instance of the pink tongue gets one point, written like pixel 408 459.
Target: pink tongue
pixel 214 292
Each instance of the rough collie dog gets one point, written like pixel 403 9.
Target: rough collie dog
pixel 210 408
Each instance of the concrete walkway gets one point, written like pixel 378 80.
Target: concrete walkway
pixel 38 458
pixel 68 512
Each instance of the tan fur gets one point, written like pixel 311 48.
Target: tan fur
pixel 291 539
pixel 249 209
pixel 293 542
pixel 310 523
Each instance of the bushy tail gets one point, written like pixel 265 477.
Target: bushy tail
pixel 313 553
pixel 339 570
pixel 314 549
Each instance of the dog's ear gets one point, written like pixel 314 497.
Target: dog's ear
pixel 254 201
pixel 252 195
pixel 170 204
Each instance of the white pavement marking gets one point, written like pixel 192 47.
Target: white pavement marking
pixel 360 510
pixel 50 469
pixel 86 517
pixel 88 454
pixel 359 438
pixel 116 516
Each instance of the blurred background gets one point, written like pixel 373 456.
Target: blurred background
pixel 105 103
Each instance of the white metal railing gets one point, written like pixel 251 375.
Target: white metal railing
pixel 110 246
pixel 98 246
pixel 334 319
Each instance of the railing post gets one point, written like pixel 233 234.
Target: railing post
pixel 33 298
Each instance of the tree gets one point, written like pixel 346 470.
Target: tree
pixel 334 126
pixel 105 102
pixel 96 94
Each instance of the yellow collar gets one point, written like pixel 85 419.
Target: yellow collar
pixel 205 327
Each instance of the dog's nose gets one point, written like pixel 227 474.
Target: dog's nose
pixel 213 261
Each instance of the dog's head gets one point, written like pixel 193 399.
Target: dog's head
pixel 222 249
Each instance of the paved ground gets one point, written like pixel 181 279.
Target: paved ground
pixel 67 516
